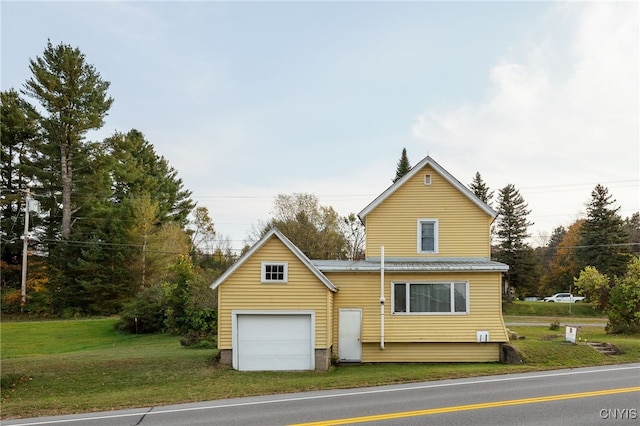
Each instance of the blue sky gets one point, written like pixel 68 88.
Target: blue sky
pixel 247 100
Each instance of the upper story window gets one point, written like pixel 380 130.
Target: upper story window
pixel 431 298
pixel 274 272
pixel 427 235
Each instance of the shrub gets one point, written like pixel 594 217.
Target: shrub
pixel 145 313
pixel 624 302
pixel 198 340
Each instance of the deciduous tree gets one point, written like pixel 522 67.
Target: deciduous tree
pixel 562 264
pixel 313 228
pixel 594 285
pixel 624 301
pixel 355 234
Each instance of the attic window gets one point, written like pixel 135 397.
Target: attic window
pixel 427 179
pixel 274 272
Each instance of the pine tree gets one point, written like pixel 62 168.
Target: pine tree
pixel 20 133
pixel 604 240
pixel 403 166
pixel 633 229
pixel 480 189
pixel 75 98
pixel 511 233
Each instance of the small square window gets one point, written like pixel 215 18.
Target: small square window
pixel 274 272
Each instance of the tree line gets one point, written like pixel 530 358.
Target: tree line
pixel 113 218
pixel 115 227
pixel 117 232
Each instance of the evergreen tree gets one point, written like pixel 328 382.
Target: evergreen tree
pixel 403 166
pixel 604 240
pixel 75 99
pixel 480 189
pixel 633 229
pixel 511 233
pixel 138 170
pixel 19 131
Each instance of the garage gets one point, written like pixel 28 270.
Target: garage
pixel 273 341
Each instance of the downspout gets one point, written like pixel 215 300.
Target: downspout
pixel 381 297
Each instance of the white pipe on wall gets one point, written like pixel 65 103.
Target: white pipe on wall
pixel 381 297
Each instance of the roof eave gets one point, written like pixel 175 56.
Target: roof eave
pixel 295 250
pixel 416 169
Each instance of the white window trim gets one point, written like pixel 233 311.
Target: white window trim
pixel 263 272
pixel 427 179
pixel 407 305
pixel 435 235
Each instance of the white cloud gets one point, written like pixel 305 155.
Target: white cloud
pixel 562 111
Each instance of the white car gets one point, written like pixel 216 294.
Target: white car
pixel 563 298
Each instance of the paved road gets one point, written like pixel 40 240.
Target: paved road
pixel 583 396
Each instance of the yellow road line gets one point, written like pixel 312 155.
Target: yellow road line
pixel 429 411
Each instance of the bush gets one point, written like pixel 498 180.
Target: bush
pixel 198 340
pixel 144 314
pixel 624 302
pixel 12 301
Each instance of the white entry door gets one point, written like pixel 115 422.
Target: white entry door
pixel 349 334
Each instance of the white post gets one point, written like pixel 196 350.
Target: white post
pixel 570 299
pixel 381 297
pixel 25 246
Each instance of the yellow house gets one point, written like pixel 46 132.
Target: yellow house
pixel 427 290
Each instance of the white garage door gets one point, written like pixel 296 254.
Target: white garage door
pixel 274 342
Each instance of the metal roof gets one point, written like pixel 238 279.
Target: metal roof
pixel 426 265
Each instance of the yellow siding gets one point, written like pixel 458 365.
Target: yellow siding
pixel 362 290
pixel 431 352
pixel 303 291
pixel 463 226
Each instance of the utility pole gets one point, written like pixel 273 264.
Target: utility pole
pixel 25 246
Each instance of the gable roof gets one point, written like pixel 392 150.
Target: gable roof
pixel 295 250
pixel 427 161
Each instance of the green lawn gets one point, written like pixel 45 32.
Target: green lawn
pixel 552 309
pixel 61 367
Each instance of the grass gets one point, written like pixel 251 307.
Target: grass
pixel 62 367
pixel 545 309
